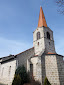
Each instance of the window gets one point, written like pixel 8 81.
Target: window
pixel 49 43
pixel 38 43
pixel 31 69
pixel 9 70
pixel 2 71
pixel 48 35
pixel 38 35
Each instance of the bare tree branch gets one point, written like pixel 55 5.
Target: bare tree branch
pixel 60 3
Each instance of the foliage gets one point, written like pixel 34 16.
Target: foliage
pixel 17 80
pixel 24 76
pixel 60 3
pixel 46 82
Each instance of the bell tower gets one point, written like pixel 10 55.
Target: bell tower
pixel 43 36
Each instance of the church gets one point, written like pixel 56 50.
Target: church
pixel 41 60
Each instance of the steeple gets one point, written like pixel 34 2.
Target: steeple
pixel 43 37
pixel 42 21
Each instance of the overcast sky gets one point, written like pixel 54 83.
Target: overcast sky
pixel 18 20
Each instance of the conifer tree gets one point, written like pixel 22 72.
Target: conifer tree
pixel 21 76
pixel 17 80
pixel 46 82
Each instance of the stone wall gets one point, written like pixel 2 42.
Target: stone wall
pixel 43 43
pixel 7 68
pixel 37 72
pixel 54 69
pixel 41 46
pixel 49 43
pixel 43 67
pixel 60 65
pixel 50 66
pixel 24 56
pixel 7 71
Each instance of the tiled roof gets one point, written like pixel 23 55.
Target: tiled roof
pixel 10 57
pixel 42 21
pixel 49 53
pixel 7 58
pixel 25 51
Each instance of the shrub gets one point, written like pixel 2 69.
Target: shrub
pixel 46 82
pixel 17 80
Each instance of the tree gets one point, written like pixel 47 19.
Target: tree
pixel 46 82
pixel 23 74
pixel 17 80
pixel 60 3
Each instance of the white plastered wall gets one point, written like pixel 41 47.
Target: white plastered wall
pixel 5 76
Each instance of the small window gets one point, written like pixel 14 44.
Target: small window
pixel 9 70
pixel 38 43
pixel 31 69
pixel 44 34
pixel 48 35
pixel 49 43
pixel 38 35
pixel 2 71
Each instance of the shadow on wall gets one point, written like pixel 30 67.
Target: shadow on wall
pixel 60 66
pixel 33 83
pixel 2 84
pixel 43 68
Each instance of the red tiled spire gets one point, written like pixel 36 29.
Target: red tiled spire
pixel 42 21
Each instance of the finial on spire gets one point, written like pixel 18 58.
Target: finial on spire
pixel 42 21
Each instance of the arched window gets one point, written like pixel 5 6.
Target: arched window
pixel 48 35
pixel 38 35
pixel 31 69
